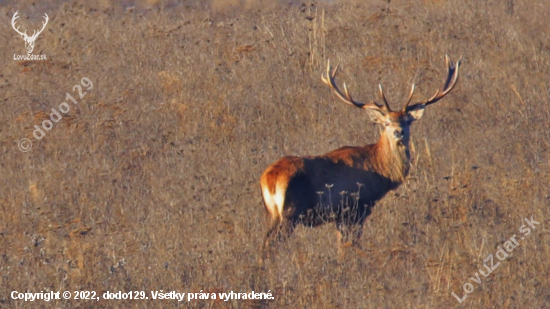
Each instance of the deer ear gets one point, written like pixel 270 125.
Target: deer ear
pixel 375 115
pixel 416 111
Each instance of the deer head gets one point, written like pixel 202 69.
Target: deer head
pixel 29 40
pixel 396 123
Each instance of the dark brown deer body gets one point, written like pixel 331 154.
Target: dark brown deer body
pixel 343 185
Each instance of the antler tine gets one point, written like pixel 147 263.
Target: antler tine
pixel 386 104
pixel 345 96
pixel 13 24
pixel 329 81
pixel 452 78
pixel 409 99
pixel 450 82
pixel 44 23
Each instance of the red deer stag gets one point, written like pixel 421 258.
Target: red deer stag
pixel 343 185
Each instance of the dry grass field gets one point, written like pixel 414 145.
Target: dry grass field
pixel 151 181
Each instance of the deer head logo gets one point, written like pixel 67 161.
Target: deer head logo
pixel 29 40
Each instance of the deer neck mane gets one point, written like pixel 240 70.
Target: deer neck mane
pixel 393 158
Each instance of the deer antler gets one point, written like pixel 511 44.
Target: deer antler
pixel 13 24
pixel 386 104
pixel 345 96
pixel 452 78
pixel 24 34
pixel 43 26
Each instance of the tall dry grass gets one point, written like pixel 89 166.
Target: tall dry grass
pixel 151 182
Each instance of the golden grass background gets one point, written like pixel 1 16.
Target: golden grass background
pixel 152 181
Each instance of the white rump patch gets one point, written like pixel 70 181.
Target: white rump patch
pixel 270 203
pixel 280 191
